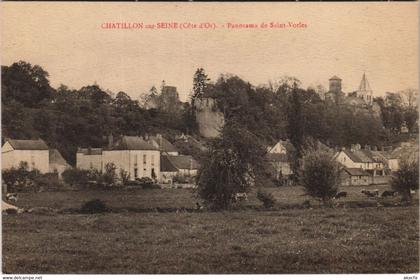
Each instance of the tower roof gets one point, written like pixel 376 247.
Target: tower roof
pixel 364 84
pixel 335 78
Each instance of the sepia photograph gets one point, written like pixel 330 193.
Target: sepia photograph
pixel 209 138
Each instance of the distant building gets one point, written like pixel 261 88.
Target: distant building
pixel 355 177
pixel 186 165
pixel 361 158
pixel 278 158
pixel 162 144
pixel 57 163
pixel 167 170
pixel 360 100
pixel 209 118
pixel 130 153
pixel 89 158
pixel 34 152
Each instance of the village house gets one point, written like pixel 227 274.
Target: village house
pixel 134 155
pixel 162 144
pixel 34 152
pixel 130 153
pixel 185 165
pixel 407 151
pixel 355 177
pixel 362 159
pixel 89 158
pixel 277 156
pixel 57 163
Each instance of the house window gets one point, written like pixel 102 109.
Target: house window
pixel 144 159
pixel 136 175
pixel 135 160
pixel 153 160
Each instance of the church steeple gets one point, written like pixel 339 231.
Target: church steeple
pixel 364 91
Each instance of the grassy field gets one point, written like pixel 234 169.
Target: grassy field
pixel 319 240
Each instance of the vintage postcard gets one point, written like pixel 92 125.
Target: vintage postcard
pixel 209 138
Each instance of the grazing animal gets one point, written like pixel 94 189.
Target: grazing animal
pixel 240 196
pixel 370 193
pixel 198 206
pixel 388 193
pixel 340 195
pixel 12 197
pixel 412 191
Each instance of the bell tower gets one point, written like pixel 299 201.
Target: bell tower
pixel 365 92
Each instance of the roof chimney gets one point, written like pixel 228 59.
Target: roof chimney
pixel 110 141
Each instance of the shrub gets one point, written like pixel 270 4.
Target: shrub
pixel 48 181
pixel 267 199
pixel 124 176
pixel 320 174
pixel 406 179
pixel 233 164
pixel 94 206
pixel 109 176
pixel 147 183
pixel 181 179
pixel 21 178
pixel 75 176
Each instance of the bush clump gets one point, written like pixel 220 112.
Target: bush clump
pixel 320 174
pixel 94 206
pixel 267 199
pixel 406 179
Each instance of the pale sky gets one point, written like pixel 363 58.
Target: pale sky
pixel 343 39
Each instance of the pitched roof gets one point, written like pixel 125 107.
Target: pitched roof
pixel 363 156
pixel 164 144
pixel 166 165
pixel 56 158
pixel 277 157
pixel 356 172
pixel 133 143
pixel 90 151
pixel 38 144
pixel 184 162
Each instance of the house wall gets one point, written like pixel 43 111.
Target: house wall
pixel 347 180
pixel 347 162
pixel 278 149
pixel 59 168
pixel 36 159
pixel 167 177
pixel 188 172
pixel 393 164
pixel 137 163
pixel 88 161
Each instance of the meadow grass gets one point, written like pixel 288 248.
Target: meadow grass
pixel 320 240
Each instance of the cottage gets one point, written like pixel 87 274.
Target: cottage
pixel 361 158
pixel 34 152
pixel 277 156
pixel 163 145
pixel 407 151
pixel 186 165
pixel 167 170
pixel 89 158
pixel 355 177
pixel 134 155
pixel 57 163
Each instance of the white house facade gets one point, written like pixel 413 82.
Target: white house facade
pixel 34 152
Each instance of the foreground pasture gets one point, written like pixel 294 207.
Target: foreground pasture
pixel 368 240
pixel 319 240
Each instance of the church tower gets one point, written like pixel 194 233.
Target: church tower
pixel 365 92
